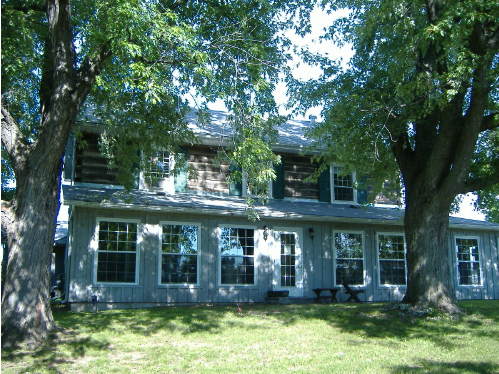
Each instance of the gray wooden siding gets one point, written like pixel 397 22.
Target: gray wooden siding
pixel 318 262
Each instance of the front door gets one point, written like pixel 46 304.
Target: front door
pixel 287 256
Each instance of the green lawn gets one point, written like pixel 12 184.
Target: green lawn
pixel 307 338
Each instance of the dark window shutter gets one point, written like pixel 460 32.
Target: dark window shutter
pixel 325 186
pixel 362 192
pixel 235 188
pixel 278 184
pixel 68 159
pixel 181 174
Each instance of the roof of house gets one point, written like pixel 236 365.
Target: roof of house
pixel 291 133
pixel 142 200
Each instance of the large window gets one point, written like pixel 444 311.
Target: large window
pixel 349 257
pixel 391 256
pixel 237 256
pixel 343 185
pixel 179 253
pixel 468 262
pixel 116 255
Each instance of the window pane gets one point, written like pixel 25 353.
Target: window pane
pixel 179 269
pixel 237 247
pixel 351 270
pixel 349 256
pixel 115 263
pixel 112 267
pixel 343 185
pixel 468 265
pixel 179 245
pixel 180 239
pixel 348 245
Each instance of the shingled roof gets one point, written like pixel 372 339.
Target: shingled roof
pixel 291 133
pixel 142 200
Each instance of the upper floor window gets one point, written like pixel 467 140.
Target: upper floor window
pixel 349 257
pixel 179 253
pixel 237 256
pixel 117 251
pixel 342 185
pixel 468 262
pixel 165 171
pixel 158 166
pixel 392 261
pixel 336 186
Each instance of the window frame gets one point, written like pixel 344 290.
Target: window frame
pixel 160 253
pixel 168 184
pixel 338 282
pixel 383 233
pixel 95 248
pixel 333 187
pixel 256 238
pixel 480 255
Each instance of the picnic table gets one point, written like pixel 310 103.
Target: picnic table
pixel 320 298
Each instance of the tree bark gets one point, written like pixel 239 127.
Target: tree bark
pixel 26 313
pixel 29 220
pixel 429 283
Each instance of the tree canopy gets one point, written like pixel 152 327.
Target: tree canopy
pixel 130 64
pixel 144 59
pixel 418 101
pixel 420 71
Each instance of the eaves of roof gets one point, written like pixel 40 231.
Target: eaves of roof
pixel 141 200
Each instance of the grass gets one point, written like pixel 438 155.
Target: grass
pixel 306 338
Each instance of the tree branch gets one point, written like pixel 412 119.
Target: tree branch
pixel 26 8
pixel 12 138
pixel 477 184
pixel 87 72
pixel 177 4
pixel 490 122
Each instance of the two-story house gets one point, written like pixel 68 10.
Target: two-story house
pixel 180 240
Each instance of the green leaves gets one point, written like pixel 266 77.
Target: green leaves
pixel 418 72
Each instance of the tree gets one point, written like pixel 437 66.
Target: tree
pixel 130 63
pixel 418 101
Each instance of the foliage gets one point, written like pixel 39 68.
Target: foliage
pixel 416 66
pixel 125 66
pixel 347 338
pixel 153 55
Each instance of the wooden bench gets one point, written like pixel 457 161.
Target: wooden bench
pixel 318 292
pixel 353 293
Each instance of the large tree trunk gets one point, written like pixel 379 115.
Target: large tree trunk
pixel 429 282
pixel 26 313
pixel 29 220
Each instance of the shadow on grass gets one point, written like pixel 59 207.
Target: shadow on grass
pixel 370 321
pixel 427 366
pixel 47 357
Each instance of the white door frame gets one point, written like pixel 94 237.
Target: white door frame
pixel 275 255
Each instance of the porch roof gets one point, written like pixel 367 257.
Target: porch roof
pixel 142 200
